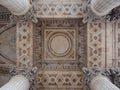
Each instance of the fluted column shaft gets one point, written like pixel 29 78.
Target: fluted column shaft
pixel 17 7
pixel 18 82
pixel 102 83
pixel 103 7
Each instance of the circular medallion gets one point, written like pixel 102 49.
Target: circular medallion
pixel 59 44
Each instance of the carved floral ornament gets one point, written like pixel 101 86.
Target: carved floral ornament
pixel 89 10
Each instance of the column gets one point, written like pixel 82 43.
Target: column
pixel 102 83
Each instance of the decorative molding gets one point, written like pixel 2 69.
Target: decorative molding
pixel 4 17
pixel 59 80
pixel 28 17
pixel 24 44
pixel 55 25
pixel 58 8
pixel 110 61
pixel 113 44
pixel 66 9
pixel 4 70
pixel 56 66
pixel 116 44
pixel 109 44
pixel 96 44
pixel 60 44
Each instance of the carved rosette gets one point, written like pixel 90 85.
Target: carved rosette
pixel 58 8
pixel 96 44
pixel 24 44
pixel 60 44
pixel 60 52
pixel 59 80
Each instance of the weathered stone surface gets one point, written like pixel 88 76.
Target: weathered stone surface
pixel 8 44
